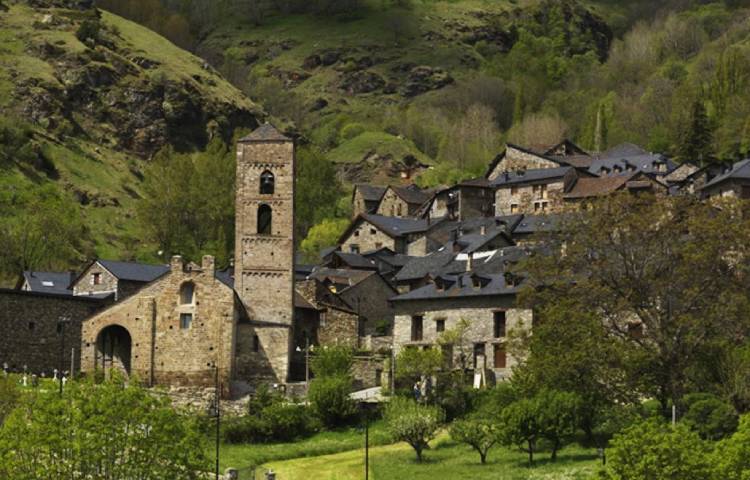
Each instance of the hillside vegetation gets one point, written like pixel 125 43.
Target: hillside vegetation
pixel 86 100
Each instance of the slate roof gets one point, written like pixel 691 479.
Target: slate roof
pixel 134 272
pixel 533 176
pixel 647 163
pixel 49 282
pixel 597 186
pixel 371 193
pixel 412 194
pixel 265 133
pixel 225 276
pixel 394 227
pixel 530 224
pixel 461 286
pixel 341 275
pixel 740 170
pixel 355 260
pixel 624 150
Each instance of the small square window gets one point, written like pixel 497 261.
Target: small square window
pixel 32 326
pixel 96 278
pixel 256 343
pixel 186 321
pixel 373 231
pixel 356 233
pixel 514 190
pixel 440 325
pixel 513 208
pixel 354 248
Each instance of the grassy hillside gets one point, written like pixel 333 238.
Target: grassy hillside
pixel 93 112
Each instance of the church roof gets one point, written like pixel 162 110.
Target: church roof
pixel 265 133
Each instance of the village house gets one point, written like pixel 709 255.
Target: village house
pixel 464 201
pixel 402 201
pixel 586 189
pixel 46 282
pixel 366 198
pixel 734 181
pixel 373 232
pixel 104 277
pixel 535 191
pixel 481 306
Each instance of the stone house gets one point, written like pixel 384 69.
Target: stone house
pixel 366 198
pixel 373 232
pixel 464 201
pixel 402 201
pixel 367 292
pixel 104 277
pixel 485 302
pixel 734 181
pixel 536 191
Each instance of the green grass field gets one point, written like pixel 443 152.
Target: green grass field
pixel 445 460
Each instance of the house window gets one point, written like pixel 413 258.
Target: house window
pixel 416 328
pixel 96 278
pixel 256 343
pixel 186 321
pixel 356 233
pixel 513 208
pixel 501 357
pixel 187 293
pixel 514 190
pixel 32 326
pixel 378 245
pixel 265 216
pixel 499 324
pixel 440 325
pixel 354 248
pixel 399 210
pixel 266 183
pixel 373 231
pixel 536 207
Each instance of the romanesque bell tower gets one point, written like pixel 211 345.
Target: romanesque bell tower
pixel 264 242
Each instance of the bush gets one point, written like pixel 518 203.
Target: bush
pixel 329 399
pixel 654 449
pixel 415 424
pixel 89 30
pixel 263 397
pixel 709 416
pixel 331 361
pixel 278 422
pixel 351 130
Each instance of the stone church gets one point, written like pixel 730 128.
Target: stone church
pixel 177 329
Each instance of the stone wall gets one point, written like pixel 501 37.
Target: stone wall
pixel 369 371
pixel 525 199
pixel 370 299
pixel 30 335
pixel 163 349
pixel 515 159
pixel 338 327
pixel 479 312
pixel 367 237
pixel 475 203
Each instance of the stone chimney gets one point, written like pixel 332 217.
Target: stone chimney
pixel 470 262
pixel 208 264
pixel 176 264
pixel 483 230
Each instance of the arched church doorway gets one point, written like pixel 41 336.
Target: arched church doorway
pixel 113 350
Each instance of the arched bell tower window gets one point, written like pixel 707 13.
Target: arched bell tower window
pixel 265 216
pixel 187 293
pixel 266 183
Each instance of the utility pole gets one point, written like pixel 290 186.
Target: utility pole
pixel 61 324
pixel 218 416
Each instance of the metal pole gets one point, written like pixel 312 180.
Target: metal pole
pixel 307 361
pixel 72 362
pixel 367 444
pixel 218 417
pixel 62 354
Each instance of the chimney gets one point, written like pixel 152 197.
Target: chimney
pixel 176 264
pixel 483 230
pixel 208 264
pixel 470 262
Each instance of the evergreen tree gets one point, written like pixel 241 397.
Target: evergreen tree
pixel 600 132
pixel 696 140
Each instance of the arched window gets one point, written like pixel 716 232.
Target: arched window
pixel 266 183
pixel 265 216
pixel 187 293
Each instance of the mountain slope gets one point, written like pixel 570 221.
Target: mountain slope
pixel 96 103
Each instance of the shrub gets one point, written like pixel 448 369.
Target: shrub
pixel 88 30
pixel 263 397
pixel 331 361
pixel 351 130
pixel 287 422
pixel 247 429
pixel 710 417
pixel 329 399
pixel 415 424
pixel 654 449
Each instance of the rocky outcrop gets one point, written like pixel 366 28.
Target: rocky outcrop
pixel 362 81
pixel 423 79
